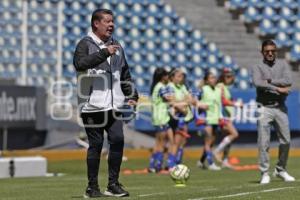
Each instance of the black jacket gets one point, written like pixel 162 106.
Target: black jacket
pixel 89 56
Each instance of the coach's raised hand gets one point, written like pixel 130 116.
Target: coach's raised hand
pixel 112 49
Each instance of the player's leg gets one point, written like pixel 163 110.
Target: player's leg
pixel 232 134
pixel 180 150
pixel 95 141
pixel 207 152
pixel 171 162
pixel 264 130
pixel 156 159
pixel 208 142
pixel 172 148
pixel 172 157
pixel 225 162
pixel 115 137
pixel 283 132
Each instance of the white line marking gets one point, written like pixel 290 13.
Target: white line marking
pixel 152 194
pixel 243 193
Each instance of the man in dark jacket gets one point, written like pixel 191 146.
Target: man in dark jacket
pixel 104 82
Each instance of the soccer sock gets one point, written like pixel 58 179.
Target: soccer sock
pixel 179 155
pixel 223 144
pixel 153 160
pixel 203 157
pixel 159 161
pixel 171 160
pixel 209 157
pixel 226 151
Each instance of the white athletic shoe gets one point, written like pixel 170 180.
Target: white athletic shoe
pixel 214 167
pixel 226 164
pixel 283 175
pixel 217 156
pixel 265 179
pixel 201 165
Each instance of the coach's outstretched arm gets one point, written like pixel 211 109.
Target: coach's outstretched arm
pixel 83 61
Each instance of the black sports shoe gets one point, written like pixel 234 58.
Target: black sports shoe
pixel 116 190
pixel 92 192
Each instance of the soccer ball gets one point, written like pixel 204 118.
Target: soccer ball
pixel 180 174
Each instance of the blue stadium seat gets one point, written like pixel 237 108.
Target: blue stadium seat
pixel 237 4
pixel 282 40
pixel 256 3
pixel 285 26
pixel 287 13
pixel 296 38
pixel 266 27
pixel 227 61
pixel 270 13
pixel 292 4
pixel 243 84
pixel 272 3
pixel 252 15
pixel 295 53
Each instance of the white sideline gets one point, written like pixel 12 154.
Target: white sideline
pixel 151 194
pixel 243 193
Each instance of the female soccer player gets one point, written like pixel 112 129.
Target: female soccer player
pixel 225 80
pixel 160 119
pixel 211 95
pixel 181 113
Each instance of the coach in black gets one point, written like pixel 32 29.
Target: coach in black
pixel 104 82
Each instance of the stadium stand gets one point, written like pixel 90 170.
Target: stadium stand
pixel 273 18
pixel 151 31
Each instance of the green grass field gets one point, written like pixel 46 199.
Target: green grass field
pixel 203 184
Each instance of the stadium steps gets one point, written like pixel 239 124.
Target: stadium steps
pixel 230 35
pixel 218 27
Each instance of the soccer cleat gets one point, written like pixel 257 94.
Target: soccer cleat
pixel 116 190
pixel 214 167
pixel 92 192
pixel 265 179
pixel 283 175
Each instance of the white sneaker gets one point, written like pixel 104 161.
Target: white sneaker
pixel 283 175
pixel 265 179
pixel 217 156
pixel 214 167
pixel 201 165
pixel 226 164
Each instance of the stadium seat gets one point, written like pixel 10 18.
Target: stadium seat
pixel 256 3
pixel 292 4
pixel 282 40
pixel 151 32
pixel 270 14
pixel 287 14
pixel 237 4
pixel 272 3
pixel 251 15
pixel 296 38
pixel 267 27
pixel 295 53
pixel 285 26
